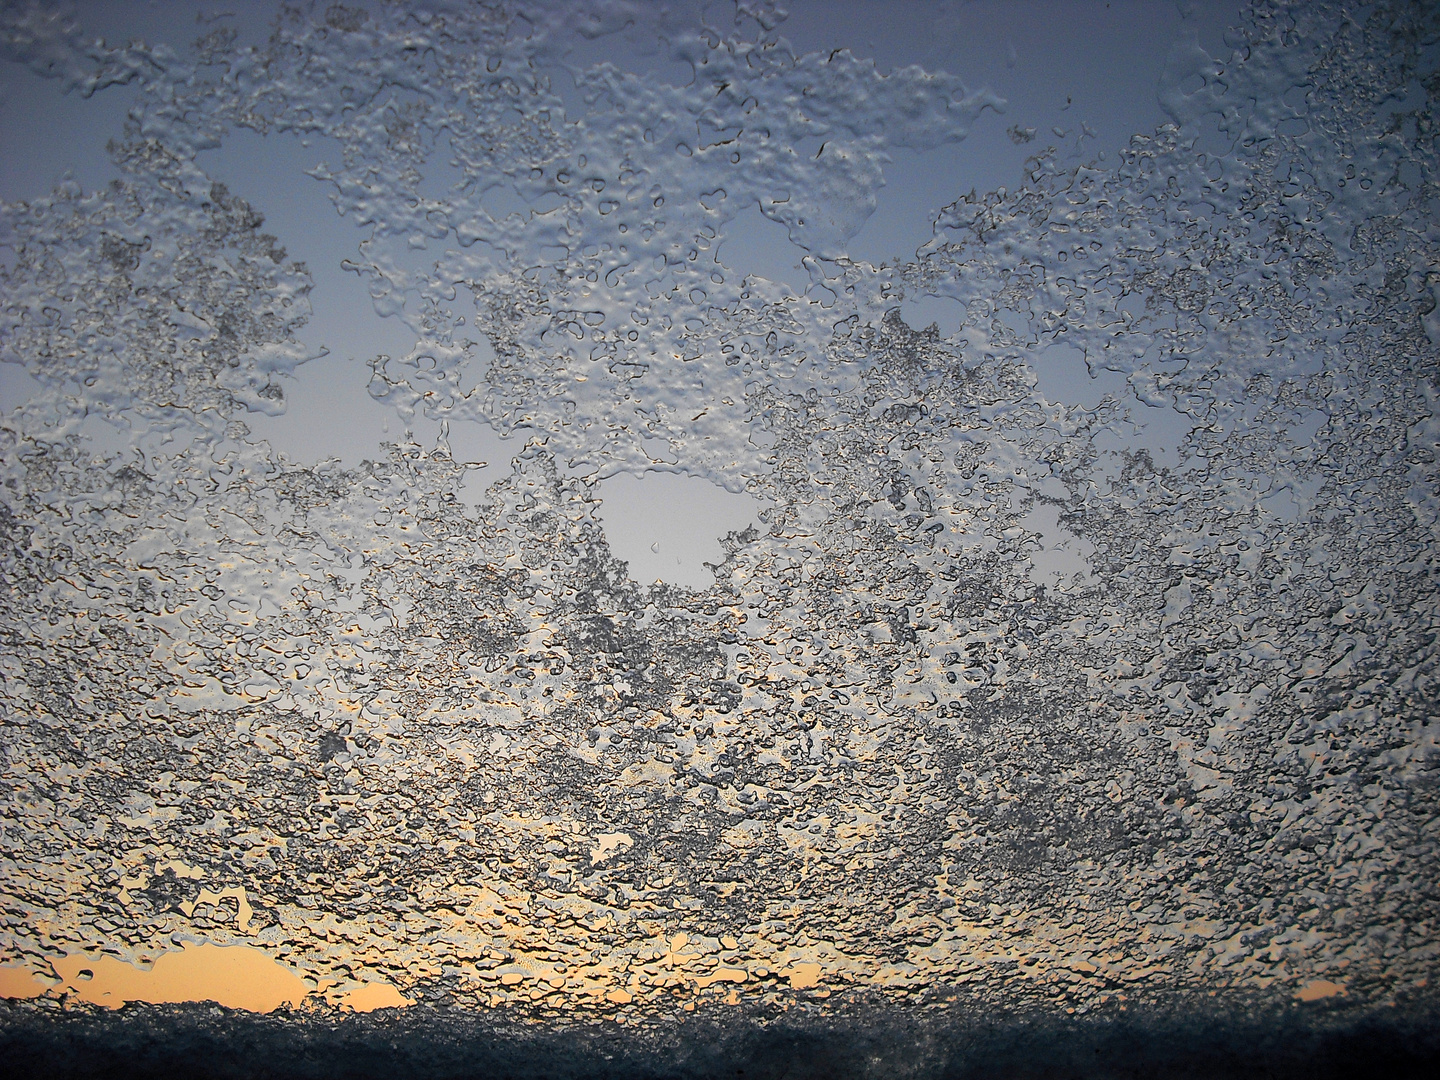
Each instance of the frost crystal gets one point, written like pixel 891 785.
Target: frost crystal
pixel 1040 700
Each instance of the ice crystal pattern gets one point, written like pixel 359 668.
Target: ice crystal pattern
pixel 458 748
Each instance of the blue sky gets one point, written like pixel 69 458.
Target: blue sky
pixel 1081 75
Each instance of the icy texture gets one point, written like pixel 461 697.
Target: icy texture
pixel 906 743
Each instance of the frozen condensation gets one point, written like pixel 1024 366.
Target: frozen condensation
pixel 1015 691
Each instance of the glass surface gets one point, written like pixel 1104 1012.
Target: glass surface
pixel 862 523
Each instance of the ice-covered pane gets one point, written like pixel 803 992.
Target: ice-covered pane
pixel 849 524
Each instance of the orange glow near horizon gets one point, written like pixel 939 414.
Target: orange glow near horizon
pixel 21 982
pixel 235 976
